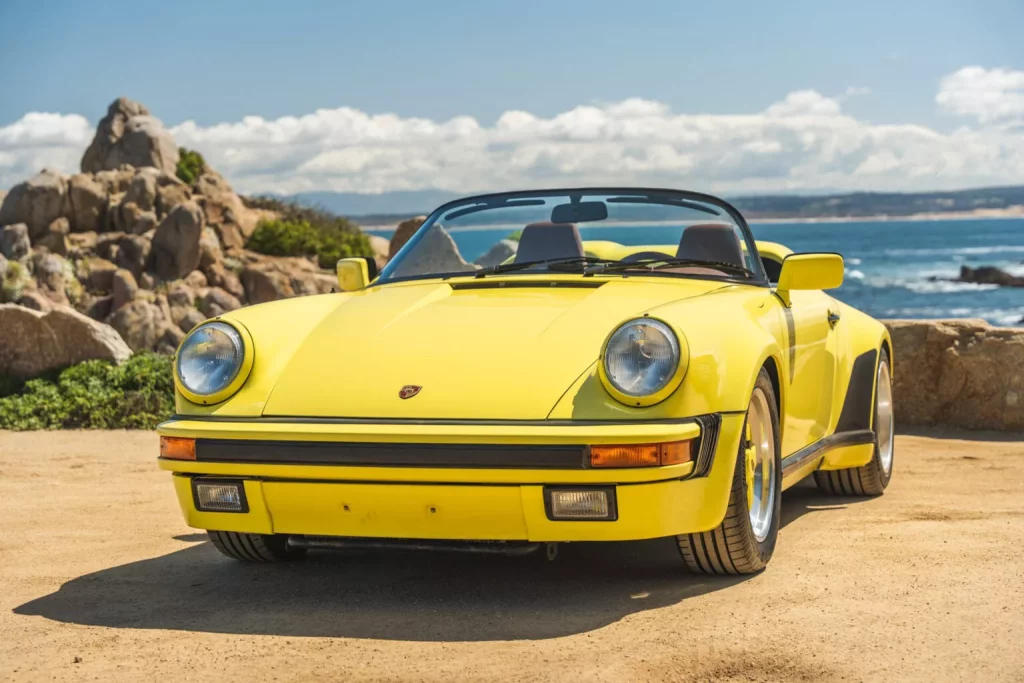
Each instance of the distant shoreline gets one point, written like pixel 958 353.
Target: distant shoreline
pixel 977 214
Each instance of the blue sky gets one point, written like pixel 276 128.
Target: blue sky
pixel 217 62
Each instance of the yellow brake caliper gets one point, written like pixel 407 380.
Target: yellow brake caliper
pixel 749 459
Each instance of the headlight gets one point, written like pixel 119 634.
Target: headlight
pixel 641 360
pixel 210 360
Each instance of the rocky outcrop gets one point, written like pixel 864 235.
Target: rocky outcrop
pixel 499 253
pixel 32 342
pixel 961 373
pixel 176 242
pixel 989 275
pixel 436 252
pixel 37 202
pixel 403 232
pixel 127 243
pixel 130 136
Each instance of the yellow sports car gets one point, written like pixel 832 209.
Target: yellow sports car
pixel 534 368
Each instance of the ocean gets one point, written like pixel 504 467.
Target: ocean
pixel 894 269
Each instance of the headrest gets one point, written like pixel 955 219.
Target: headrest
pixel 545 241
pixel 711 242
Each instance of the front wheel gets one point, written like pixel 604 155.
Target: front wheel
pixel 254 547
pixel 745 540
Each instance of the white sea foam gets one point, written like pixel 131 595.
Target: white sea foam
pixel 960 251
pixel 853 261
pixel 854 274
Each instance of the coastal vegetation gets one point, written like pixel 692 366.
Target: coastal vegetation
pixel 304 231
pixel 96 394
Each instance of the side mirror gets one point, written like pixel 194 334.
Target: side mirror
pixel 353 274
pixel 809 271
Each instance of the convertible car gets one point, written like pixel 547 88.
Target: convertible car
pixel 533 368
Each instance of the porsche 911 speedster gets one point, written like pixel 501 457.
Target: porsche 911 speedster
pixel 533 368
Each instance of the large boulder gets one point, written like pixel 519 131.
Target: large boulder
pixel 217 302
pixel 14 241
pixel 961 373
pixel 225 213
pixel 32 342
pixel 403 232
pixel 55 237
pixel 87 202
pixel 176 242
pixel 130 135
pixel 989 275
pixel 499 253
pixel 436 252
pixel 268 278
pixel 133 253
pixel 123 288
pixel 37 202
pixel 96 274
pixel 140 323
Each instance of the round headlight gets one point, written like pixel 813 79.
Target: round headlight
pixel 641 357
pixel 210 359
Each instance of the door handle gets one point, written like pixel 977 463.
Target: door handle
pixel 833 318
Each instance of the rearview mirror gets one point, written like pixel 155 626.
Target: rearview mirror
pixel 579 212
pixel 809 271
pixel 353 274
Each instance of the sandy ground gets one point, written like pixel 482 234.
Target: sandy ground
pixel 101 580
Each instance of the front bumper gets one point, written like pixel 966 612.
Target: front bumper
pixel 314 495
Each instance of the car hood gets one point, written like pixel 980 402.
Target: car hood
pixel 488 349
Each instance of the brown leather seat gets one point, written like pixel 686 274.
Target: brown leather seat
pixel 546 241
pixel 711 242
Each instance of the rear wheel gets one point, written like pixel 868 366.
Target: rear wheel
pixel 871 479
pixel 254 547
pixel 745 540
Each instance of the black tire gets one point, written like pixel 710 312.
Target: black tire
pixel 868 480
pixel 732 547
pixel 254 547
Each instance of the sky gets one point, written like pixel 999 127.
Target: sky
pixel 728 97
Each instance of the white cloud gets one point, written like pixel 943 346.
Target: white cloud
pixel 857 91
pixel 40 140
pixel 803 142
pixel 990 95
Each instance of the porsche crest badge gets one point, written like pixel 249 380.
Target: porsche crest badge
pixel 409 390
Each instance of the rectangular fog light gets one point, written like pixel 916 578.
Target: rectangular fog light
pixel 219 496
pixel 581 504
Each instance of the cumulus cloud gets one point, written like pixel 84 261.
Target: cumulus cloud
pixel 803 142
pixel 39 140
pixel 990 95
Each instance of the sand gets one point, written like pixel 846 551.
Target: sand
pixel 101 580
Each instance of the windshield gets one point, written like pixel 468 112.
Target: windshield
pixel 600 231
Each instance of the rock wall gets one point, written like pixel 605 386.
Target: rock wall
pixel 958 373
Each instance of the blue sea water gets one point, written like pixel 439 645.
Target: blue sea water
pixel 894 269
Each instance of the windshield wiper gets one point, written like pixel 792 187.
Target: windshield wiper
pixel 523 265
pixel 660 263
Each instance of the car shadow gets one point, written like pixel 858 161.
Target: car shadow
pixel 391 595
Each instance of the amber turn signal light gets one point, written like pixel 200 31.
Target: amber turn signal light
pixel 642 455
pixel 176 448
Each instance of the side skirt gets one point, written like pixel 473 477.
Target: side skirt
pixel 792 463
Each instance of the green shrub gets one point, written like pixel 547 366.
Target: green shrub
pixel 302 238
pixel 191 165
pixel 138 394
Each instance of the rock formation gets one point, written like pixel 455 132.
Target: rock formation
pixel 34 342
pixel 129 245
pixel 989 275
pixel 961 373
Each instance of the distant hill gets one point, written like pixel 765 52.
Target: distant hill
pixel 390 207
